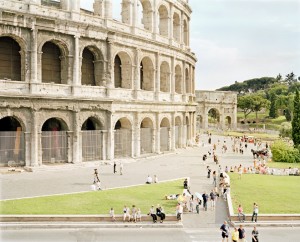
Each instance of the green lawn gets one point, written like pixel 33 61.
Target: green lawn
pixel 283 165
pixel 263 136
pixel 273 194
pixel 98 202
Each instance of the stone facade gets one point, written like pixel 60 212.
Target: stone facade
pixel 224 105
pixel 77 85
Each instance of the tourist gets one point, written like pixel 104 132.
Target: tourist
pixel 208 172
pixel 242 234
pixel 225 231
pixel 115 167
pixel 212 199
pixel 160 213
pixel 254 235
pixel 153 214
pixel 126 213
pixel 215 178
pixel 149 180
pixel 112 214
pixel 240 171
pixel 205 198
pixel 121 168
pixel 133 213
pixel 235 235
pixel 255 212
pixel 96 178
pixel 241 213
pixel 179 212
pixel 139 215
pixel 155 179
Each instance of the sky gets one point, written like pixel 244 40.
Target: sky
pixel 236 40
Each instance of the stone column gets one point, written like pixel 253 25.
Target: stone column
pixel 33 57
pixel 173 136
pixel 76 79
pixel 134 14
pixel 77 138
pixel 157 76
pixel 109 75
pixel 107 9
pixel 27 137
pixel 155 20
pixel 104 145
pixel 170 138
pixel 34 139
pixel 110 139
pixel 184 95
pixel 136 136
pixel 172 78
pixel 137 73
pixel 70 146
pixel 171 22
pixel 205 118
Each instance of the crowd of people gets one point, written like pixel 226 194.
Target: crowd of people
pixel 237 234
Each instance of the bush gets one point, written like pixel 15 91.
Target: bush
pixel 286 130
pixel 282 152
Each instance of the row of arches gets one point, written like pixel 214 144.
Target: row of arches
pixel 54 68
pixel 170 23
pixel 55 139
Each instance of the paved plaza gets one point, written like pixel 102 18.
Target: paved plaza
pixel 185 163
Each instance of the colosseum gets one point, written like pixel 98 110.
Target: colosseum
pixel 79 85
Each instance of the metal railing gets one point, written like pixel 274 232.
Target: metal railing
pixel 12 148
pixel 146 140
pixel 123 140
pixel 54 146
pixel 92 145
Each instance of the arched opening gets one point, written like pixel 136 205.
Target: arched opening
pixel 146 136
pixel 122 71
pixel 146 14
pixel 177 132
pixel 185 33
pixel 213 118
pixel 87 68
pixel 163 21
pixel 165 135
pixel 54 141
pixel 176 27
pixel 147 74
pixel 12 142
pixel 178 80
pixel 10 59
pixel 51 63
pixel 164 77
pixel 187 81
pixel 228 122
pixel 92 139
pixel 123 138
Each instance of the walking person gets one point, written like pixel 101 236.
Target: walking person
pixel 179 212
pixel 242 234
pixel 225 231
pixel 215 178
pixel 121 169
pixel 205 198
pixel 208 172
pixel 255 235
pixel 115 167
pixel 255 212
pixel 96 178
pixel 241 214
pixel 235 235
pixel 212 199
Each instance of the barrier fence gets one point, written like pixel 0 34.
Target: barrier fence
pixel 92 145
pixel 123 140
pixel 146 140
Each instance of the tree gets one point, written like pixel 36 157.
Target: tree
pixel 258 103
pixel 273 110
pixel 245 103
pixel 296 120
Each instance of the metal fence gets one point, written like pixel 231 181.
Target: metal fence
pixel 12 148
pixel 164 139
pixel 146 140
pixel 92 145
pixel 123 140
pixel 177 142
pixel 54 146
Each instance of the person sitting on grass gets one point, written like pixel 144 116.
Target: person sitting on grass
pixel 149 180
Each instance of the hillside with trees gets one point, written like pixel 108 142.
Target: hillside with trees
pixel 267 100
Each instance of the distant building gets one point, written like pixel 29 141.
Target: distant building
pixel 216 110
pixel 79 86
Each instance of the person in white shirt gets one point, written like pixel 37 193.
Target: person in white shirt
pixel 149 180
pixel 155 179
pixel 112 214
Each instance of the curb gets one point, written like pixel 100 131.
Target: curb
pixel 7 226
pixel 268 224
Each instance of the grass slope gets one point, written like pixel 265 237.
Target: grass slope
pixel 98 202
pixel 274 194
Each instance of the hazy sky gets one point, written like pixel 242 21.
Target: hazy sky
pixel 236 40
